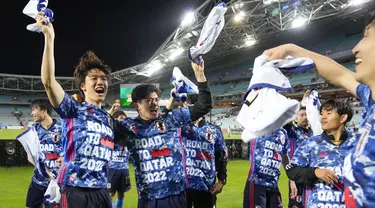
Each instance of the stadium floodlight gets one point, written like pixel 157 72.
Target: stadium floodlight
pixel 239 16
pixel 299 22
pixel 356 2
pixel 153 67
pixel 188 19
pixel 238 5
pixel 249 41
pixel 176 53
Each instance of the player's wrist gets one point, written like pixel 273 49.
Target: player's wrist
pixel 222 182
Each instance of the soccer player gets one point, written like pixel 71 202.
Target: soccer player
pixel 118 169
pixel 49 133
pixel 318 161
pixel 87 129
pixel 297 133
pixel 360 180
pixel 205 160
pixel 157 145
pixel 266 155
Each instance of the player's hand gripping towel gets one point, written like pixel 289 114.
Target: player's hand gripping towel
pixel 33 8
pixel 210 32
pixel 182 85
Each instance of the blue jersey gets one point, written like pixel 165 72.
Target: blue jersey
pixel 51 149
pixel 296 136
pixel 157 153
pixel 120 158
pixel 88 143
pixel 266 156
pixel 360 174
pixel 319 151
pixel 200 144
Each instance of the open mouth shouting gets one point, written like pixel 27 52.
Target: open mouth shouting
pixel 100 91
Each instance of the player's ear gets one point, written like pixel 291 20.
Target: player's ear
pixel 136 106
pixel 343 118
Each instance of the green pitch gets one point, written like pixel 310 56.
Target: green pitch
pixel 8 134
pixel 14 183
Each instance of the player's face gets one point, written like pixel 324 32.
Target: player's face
pixel 37 114
pixel 121 117
pixel 148 108
pixel 302 118
pixel 95 86
pixel 365 53
pixel 330 120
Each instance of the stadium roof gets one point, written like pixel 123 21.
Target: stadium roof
pixel 248 22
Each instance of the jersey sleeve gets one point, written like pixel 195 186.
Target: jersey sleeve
pixel 286 148
pixel 302 155
pixel 181 116
pixel 219 140
pixel 67 108
pixel 364 94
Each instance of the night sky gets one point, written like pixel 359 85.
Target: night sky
pixel 122 33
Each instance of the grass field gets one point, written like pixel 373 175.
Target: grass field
pixel 9 134
pixel 14 183
pixel 6 134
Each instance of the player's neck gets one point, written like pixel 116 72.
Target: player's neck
pixel 47 122
pixel 97 104
pixel 337 133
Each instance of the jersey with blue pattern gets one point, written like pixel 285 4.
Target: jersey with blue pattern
pixel 319 151
pixel 266 155
pixel 200 144
pixel 296 136
pixel 360 168
pixel 51 149
pixel 157 153
pixel 88 143
pixel 120 158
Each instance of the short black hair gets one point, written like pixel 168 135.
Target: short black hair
pixel 119 113
pixel 89 61
pixel 142 91
pixel 302 108
pixel 42 104
pixel 340 107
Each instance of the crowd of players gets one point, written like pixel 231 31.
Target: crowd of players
pixel 179 158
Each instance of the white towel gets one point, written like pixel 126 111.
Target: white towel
pixel 264 111
pixel 32 8
pixel 52 195
pixel 210 32
pixel 312 104
pixel 182 85
pixel 269 73
pixel 30 142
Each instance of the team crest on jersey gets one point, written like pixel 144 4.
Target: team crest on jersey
pixel 56 136
pixel 160 125
pixel 209 136
pixel 299 199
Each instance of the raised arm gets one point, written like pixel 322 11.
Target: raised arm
pixel 204 102
pixel 325 67
pixel 54 90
